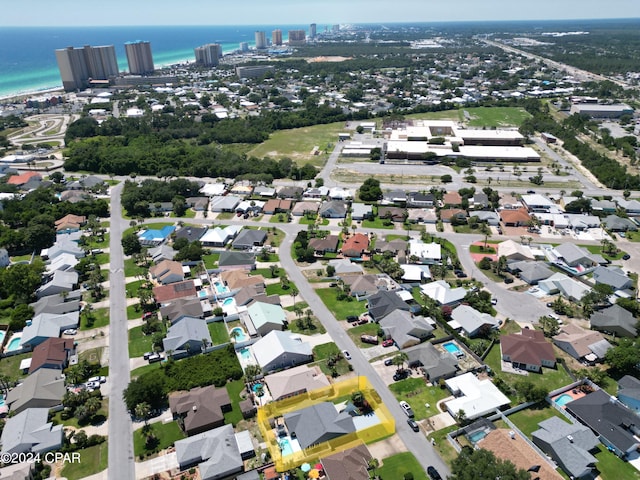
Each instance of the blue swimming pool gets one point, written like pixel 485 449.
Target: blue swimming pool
pixel 563 399
pixel 245 353
pixel 452 348
pixel 220 287
pixel 2 335
pixel 285 447
pixel 240 336
pixel 228 301
pixel 14 343
pixel 475 437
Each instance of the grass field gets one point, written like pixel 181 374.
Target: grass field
pixel 322 352
pixel 93 355
pixel 134 311
pixel 10 366
pixel 234 388
pixel 417 394
pixel 133 287
pixel 92 460
pixel 276 288
pixel 133 270
pixel 298 143
pixel 144 369
pixel 96 243
pixel 497 116
pixel 97 419
pixel 377 223
pixel 340 309
pixel 101 319
pixel 366 329
pixel 527 420
pixel 218 332
pixel 139 343
pixel 397 465
pixel 211 260
pixel 167 434
pixel 316 328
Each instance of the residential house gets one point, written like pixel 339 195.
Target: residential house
pixel 568 287
pixel 570 445
pixel 154 237
pixel 356 245
pixel 480 201
pixel 230 260
pixel 200 409
pixel 167 272
pixel 316 192
pixel 382 303
pixel 24 178
pixel 538 203
pixel 426 215
pixel 507 446
pixel 344 266
pixel 453 215
pixel 490 218
pixel 339 193
pixel 252 294
pixel 394 214
pixel 318 423
pixel 614 223
pixel 190 233
pixel 581 344
pixel 471 322
pixel 578 257
pixel 278 350
pixel 65 243
pixel 275 205
pixel 219 237
pixel 451 199
pixel 615 277
pixel 47 325
pixel 473 396
pixel 182 307
pixel 614 320
pixel 198 204
pixel 433 363
pixel 53 353
pixel 615 425
pixel 415 274
pixel 361 211
pixel 64 263
pixel 290 192
pixel 250 207
pixel 508 202
pixel 394 246
pixel 42 389
pixel 442 293
pixel 161 252
pixel 31 432
pixel 405 329
pixel 266 317
pixel 429 253
pixel 187 336
pixel 18 471
pixel 527 350
pixel 70 223
pixel 213 189
pixel 236 279
pixel 580 222
pixel 420 200
pixel 242 190
pixel 328 244
pixel 397 197
pixel 58 304
pixel 629 392
pixel 249 238
pixel 305 208
pixel 351 464
pixel 362 285
pixel 515 218
pixel 604 206
pixel 530 272
pixel 333 209
pixel 630 207
pixel 227 203
pixel 295 381
pixel 166 293
pixel 215 452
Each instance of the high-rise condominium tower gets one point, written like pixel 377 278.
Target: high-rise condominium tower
pixel 312 31
pixel 208 55
pixel 276 37
pixel 261 40
pixel 297 37
pixel 79 65
pixel 139 57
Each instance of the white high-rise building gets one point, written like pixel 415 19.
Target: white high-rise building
pixel 139 57
pixel 208 55
pixel 80 65
pixel 261 40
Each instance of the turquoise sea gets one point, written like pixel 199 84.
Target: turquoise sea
pixel 28 62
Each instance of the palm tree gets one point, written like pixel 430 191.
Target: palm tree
pixel 143 411
pixel 399 360
pixel 294 293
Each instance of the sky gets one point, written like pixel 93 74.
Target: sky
pixel 291 12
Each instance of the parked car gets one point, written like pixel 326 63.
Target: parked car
pixel 387 343
pixel 146 315
pixel 433 473
pixel 92 385
pixel 508 280
pixel 154 357
pixel 460 274
pixel 549 304
pixel 494 301
pixel 70 331
pixel 400 375
pixel 147 355
pixel 388 362
pixel 100 379
pixel 626 256
pixel 406 408
pixel 352 318
pixel 346 355
pixel 413 424
pixel 531 192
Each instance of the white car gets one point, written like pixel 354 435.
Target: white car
pixel 346 355
pixel 100 379
pixel 70 331
pixel 92 385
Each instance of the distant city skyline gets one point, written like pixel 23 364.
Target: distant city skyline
pixel 289 12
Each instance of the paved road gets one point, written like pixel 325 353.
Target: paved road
pixel 121 458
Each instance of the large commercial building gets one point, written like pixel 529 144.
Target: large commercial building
pixel 297 37
pixel 276 37
pixel 601 111
pixel 208 55
pixel 244 47
pixel 139 57
pixel 78 66
pixel 261 40
pixel 254 71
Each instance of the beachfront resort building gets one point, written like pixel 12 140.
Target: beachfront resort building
pixel 139 57
pixel 80 65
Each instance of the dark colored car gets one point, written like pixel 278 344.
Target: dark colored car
pixel 433 473
pixel 508 280
pixel 388 362
pixel 626 256
pixel 460 273
pixel 414 426
pixel 531 192
pixel 352 318
pixel 400 375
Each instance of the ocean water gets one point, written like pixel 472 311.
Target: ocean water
pixel 28 62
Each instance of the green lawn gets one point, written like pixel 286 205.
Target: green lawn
pixel 97 419
pixel 322 352
pixel 21 258
pixel 134 311
pixel 234 389
pixel 490 250
pixel 366 329
pixel 377 223
pixel 101 319
pixel 96 243
pixel 139 343
pixel 133 287
pixel 276 288
pixel 133 270
pixel 303 305
pixel 394 467
pixel 598 250
pixel 275 237
pixel 225 216
pixel 610 466
pixel 218 332
pixel 189 213
pixel 211 260
pixel 92 460
pixel 316 326
pixel 101 258
pixel 93 355
pixel 297 143
pixel 417 394
pixel 340 309
pixel 279 218
pixel 10 366
pixel 550 379
pixel 527 420
pixel 497 116
pixel 304 220
pixel 167 434
pixel 266 272
pixel 144 369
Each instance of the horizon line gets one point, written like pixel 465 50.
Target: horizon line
pixel 326 23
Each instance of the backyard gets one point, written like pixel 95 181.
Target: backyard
pixel 92 460
pixel 321 354
pixel 139 343
pixel 166 433
pixel 218 332
pixel 417 394
pixel 341 309
pixel 396 466
pixel 234 389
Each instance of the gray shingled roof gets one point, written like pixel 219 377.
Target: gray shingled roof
pixel 30 431
pixel 318 423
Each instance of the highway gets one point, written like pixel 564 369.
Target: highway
pixel 121 457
